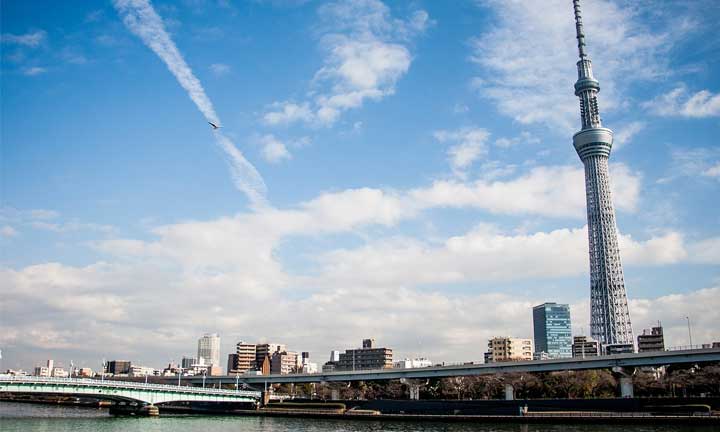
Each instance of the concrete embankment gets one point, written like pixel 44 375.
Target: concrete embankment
pixel 554 418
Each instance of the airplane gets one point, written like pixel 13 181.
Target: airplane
pixel 214 126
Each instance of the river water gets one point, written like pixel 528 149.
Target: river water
pixel 16 417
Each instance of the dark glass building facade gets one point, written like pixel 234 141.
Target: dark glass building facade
pixel 551 325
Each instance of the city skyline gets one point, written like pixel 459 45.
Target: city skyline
pixel 401 170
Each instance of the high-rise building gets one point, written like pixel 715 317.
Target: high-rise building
pixel 585 347
pixel 652 340
pixel 551 325
pixel 209 349
pixel 502 349
pixel 367 357
pixel 245 358
pixel 609 315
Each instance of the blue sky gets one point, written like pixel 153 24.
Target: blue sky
pixel 397 170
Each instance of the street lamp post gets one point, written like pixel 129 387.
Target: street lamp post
pixel 102 371
pixel 204 374
pixel 179 369
pixel 689 331
pixel 237 383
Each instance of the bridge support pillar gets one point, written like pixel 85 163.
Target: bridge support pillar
pixel 265 398
pixel 134 410
pixel 624 376
pixel 509 392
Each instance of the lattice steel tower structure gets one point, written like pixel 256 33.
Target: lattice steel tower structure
pixel 609 315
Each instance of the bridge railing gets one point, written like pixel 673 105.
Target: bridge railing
pixel 125 385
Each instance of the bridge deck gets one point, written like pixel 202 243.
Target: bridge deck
pixel 122 390
pixel 659 358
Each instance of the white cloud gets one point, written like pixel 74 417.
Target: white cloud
pixel 273 150
pixel 693 161
pixel 288 112
pixel 8 231
pixel 229 265
pixel 713 171
pixel 34 70
pixel 528 63
pixel 220 69
pixel 523 138
pixel 365 57
pixel 469 144
pixel 142 20
pixel 485 255
pixel 679 102
pixel 705 251
pixel 32 39
pixel 556 191
pixel 625 133
pixel 43 214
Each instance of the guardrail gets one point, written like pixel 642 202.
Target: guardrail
pixel 124 385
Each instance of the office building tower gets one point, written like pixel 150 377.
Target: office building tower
pixel 209 349
pixel 551 325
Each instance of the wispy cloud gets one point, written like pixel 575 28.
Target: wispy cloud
pixel 366 54
pixel 527 57
pixel 274 150
pixel 34 70
pixel 679 102
pixel 31 39
pixel 8 231
pixel 625 133
pixel 141 19
pixel 469 144
pixel 220 69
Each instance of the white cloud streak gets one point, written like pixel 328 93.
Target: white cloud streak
pixel 32 39
pixel 142 20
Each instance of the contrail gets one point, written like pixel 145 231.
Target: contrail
pixel 140 17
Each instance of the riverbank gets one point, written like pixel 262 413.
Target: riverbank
pixel 541 418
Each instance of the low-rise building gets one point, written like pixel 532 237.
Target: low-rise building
pixel 367 357
pixel 140 371
pixel 412 363
pixel 187 362
pixel 504 349
pixel 118 367
pixel 541 355
pixel 584 346
pixel 85 372
pixel 651 340
pixel 619 348
pixel 59 372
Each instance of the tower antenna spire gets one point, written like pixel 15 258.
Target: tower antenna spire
pixel 579 29
pixel 609 315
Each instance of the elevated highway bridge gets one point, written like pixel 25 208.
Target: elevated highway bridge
pixel 622 361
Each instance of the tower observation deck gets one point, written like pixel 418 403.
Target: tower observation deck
pixel 609 315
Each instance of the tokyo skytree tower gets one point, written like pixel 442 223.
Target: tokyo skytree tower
pixel 609 315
